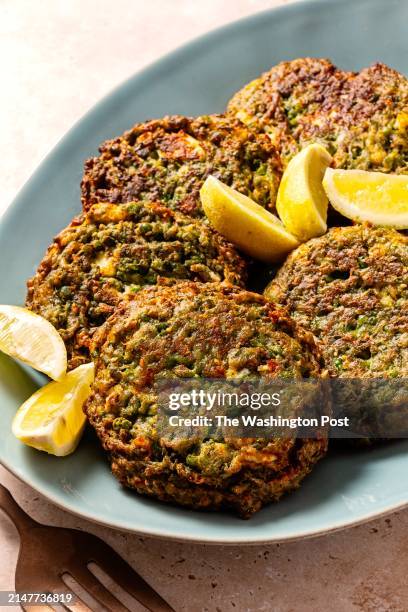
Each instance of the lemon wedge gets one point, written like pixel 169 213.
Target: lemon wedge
pixel 250 227
pixel 302 202
pixel 32 339
pixel 52 419
pixel 381 199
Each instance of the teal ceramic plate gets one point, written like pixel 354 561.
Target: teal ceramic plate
pixel 199 78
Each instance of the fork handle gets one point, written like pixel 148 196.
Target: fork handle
pixel 20 518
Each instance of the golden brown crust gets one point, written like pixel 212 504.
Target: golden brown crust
pixel 169 159
pixel 350 288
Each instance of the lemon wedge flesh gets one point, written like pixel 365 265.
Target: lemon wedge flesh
pixel 381 199
pixel 52 419
pixel 302 202
pixel 245 223
pixel 32 339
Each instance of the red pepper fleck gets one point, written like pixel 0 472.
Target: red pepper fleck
pixel 274 315
pixel 218 371
pixel 272 365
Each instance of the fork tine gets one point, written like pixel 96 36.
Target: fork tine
pixel 78 606
pixel 126 577
pixel 91 584
pixel 59 607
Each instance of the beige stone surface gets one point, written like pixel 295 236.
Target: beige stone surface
pixel 58 58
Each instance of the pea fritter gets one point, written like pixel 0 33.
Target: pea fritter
pixel 362 118
pixel 168 160
pixel 350 289
pixel 197 331
pixel 115 250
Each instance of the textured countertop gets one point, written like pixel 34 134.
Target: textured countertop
pixel 54 69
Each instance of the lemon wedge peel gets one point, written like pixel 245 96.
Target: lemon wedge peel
pixel 375 197
pixel 245 223
pixel 30 338
pixel 52 419
pixel 301 201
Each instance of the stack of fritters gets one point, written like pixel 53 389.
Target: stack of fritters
pixel 101 282
pixel 198 330
pixel 362 118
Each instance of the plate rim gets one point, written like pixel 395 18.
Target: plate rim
pixel 162 534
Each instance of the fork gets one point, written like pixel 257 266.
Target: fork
pixel 48 553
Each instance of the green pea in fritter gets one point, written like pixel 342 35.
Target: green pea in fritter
pixel 200 332
pixel 362 118
pixel 115 250
pixel 168 160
